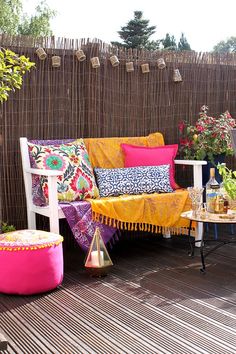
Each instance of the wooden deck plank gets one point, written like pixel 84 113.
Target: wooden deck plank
pixel 3 342
pixel 155 300
pixel 134 298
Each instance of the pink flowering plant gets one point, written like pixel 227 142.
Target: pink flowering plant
pixel 208 137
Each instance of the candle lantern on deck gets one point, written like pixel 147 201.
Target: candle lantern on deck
pixel 98 260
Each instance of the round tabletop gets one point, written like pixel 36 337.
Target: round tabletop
pixel 228 218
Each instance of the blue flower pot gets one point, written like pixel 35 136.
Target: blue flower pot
pixel 206 169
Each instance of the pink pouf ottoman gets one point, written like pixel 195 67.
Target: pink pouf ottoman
pixel 31 262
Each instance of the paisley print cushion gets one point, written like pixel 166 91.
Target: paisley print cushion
pixel 133 180
pixel 72 159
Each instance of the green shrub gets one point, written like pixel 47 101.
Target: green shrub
pixel 7 228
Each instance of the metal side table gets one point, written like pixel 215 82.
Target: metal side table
pixel 229 218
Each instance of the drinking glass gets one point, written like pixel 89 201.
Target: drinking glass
pixel 195 194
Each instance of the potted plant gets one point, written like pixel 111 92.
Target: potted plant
pixel 12 69
pixel 209 139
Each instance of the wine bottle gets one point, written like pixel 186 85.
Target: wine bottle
pixel 212 192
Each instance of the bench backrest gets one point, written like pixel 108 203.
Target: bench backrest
pixel 103 152
pixel 107 153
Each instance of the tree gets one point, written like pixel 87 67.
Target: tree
pixel 136 33
pixel 183 43
pixel 10 18
pixel 228 46
pixel 39 24
pixel 169 42
pixel 13 21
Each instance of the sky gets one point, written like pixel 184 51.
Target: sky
pixel 203 22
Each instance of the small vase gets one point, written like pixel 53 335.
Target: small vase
pixel 206 169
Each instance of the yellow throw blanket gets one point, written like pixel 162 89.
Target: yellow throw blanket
pixel 107 152
pixel 148 212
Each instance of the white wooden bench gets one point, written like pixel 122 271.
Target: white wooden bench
pixel 53 210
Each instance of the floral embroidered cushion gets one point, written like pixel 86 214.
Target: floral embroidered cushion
pixel 133 180
pixel 72 159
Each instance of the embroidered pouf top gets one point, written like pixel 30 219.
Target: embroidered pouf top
pixel 31 262
pixel 21 240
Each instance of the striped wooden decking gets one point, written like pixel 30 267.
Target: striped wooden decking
pixel 154 300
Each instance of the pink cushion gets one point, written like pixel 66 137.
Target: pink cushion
pixel 31 262
pixel 151 156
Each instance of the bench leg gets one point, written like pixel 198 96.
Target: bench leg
pixel 54 225
pixel 53 205
pixel 31 217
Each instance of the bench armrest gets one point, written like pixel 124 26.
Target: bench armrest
pixel 197 170
pixel 190 162
pixel 41 172
pixel 52 188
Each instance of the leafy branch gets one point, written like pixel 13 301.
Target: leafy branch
pixel 229 180
pixel 12 69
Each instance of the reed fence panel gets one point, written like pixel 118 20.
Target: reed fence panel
pixel 76 100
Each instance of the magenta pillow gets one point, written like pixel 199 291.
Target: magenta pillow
pixel 151 156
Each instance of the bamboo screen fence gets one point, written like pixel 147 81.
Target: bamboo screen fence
pixel 76 100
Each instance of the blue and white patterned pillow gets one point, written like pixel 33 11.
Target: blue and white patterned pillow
pixel 133 180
